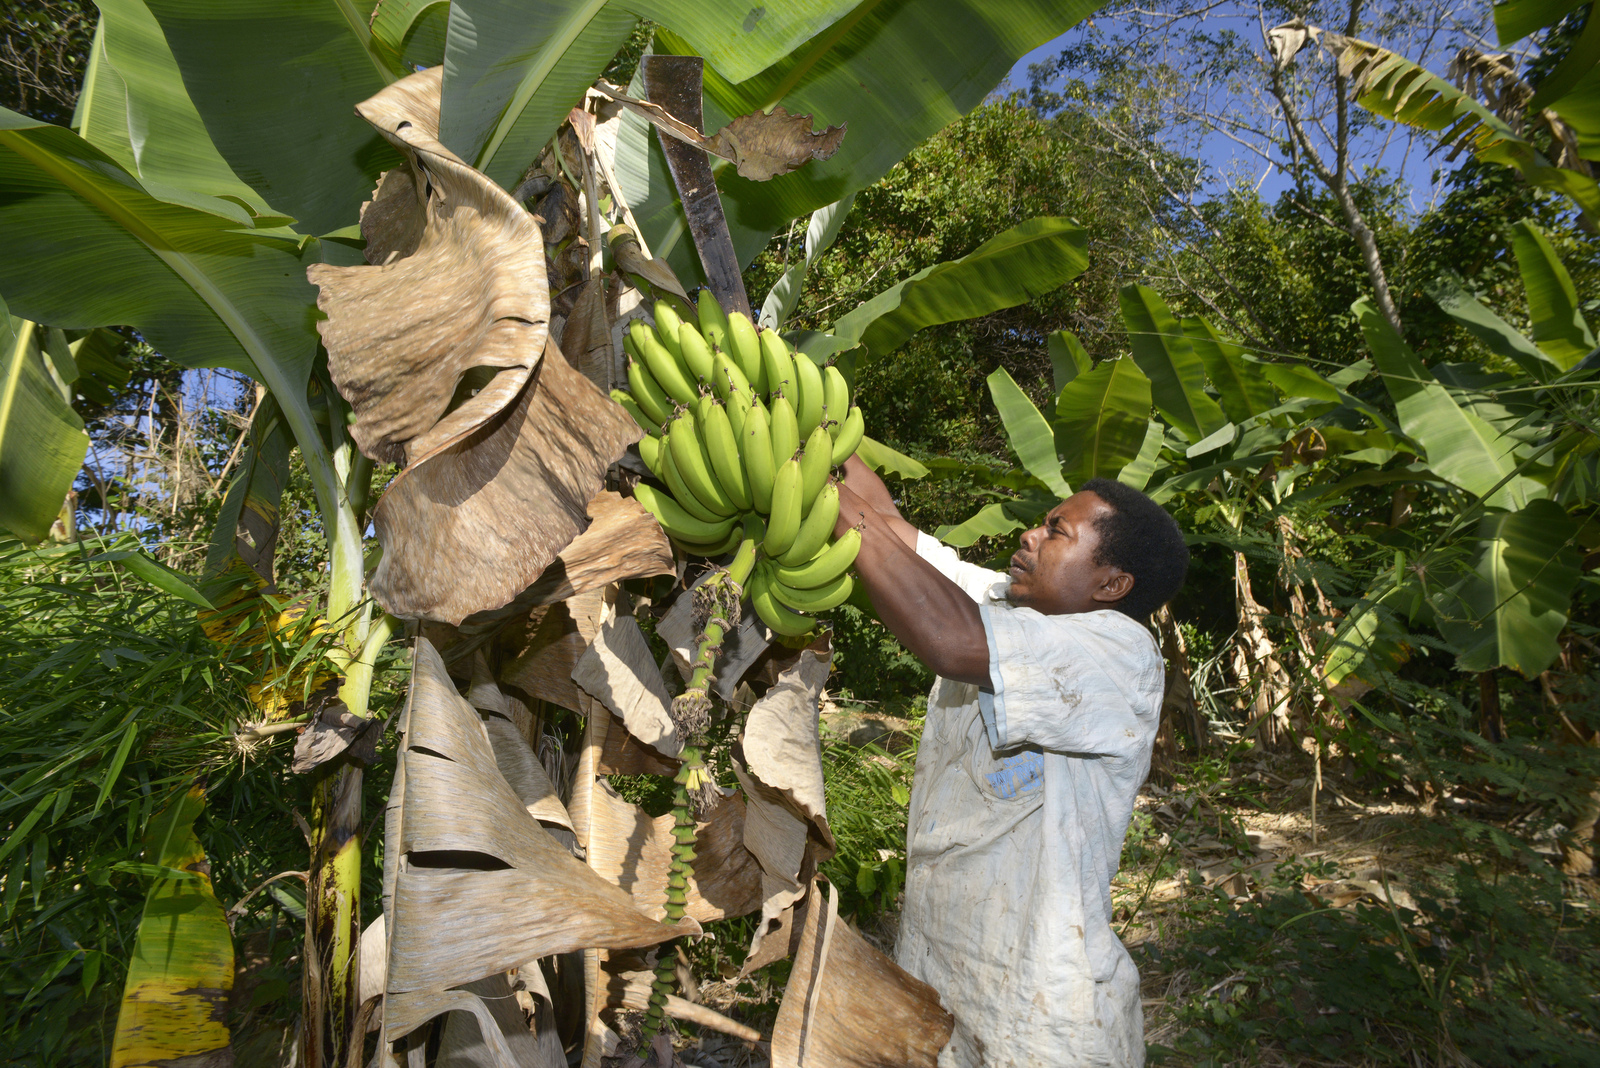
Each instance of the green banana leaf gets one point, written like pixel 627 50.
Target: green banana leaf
pixel 155 573
pixel 1368 635
pixel 102 369
pixel 1102 420
pixel 881 458
pixel 895 72
pixel 1515 19
pixel 1510 609
pixel 411 33
pixel 1244 390
pixel 244 541
pixel 1010 268
pixel 513 70
pixel 42 443
pixel 175 1002
pixel 784 296
pixel 1558 326
pixel 1460 445
pixel 1164 352
pixel 1068 358
pixel 1392 86
pixel 1499 336
pixel 1029 435
pixel 1139 471
pixel 140 114
pixel 88 246
pixel 1298 380
pixel 276 83
pixel 997 520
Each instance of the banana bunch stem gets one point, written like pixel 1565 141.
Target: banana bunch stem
pixel 689 776
pixel 719 600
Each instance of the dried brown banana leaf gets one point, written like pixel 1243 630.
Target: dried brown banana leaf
pixel 630 849
pixel 623 541
pixel 466 849
pixel 456 282
pixel 849 1006
pixel 619 671
pixel 779 763
pixel 623 754
pixel 513 752
pixel 543 668
pixel 503 1040
pixel 474 524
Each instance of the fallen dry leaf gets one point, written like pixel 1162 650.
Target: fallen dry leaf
pixel 619 671
pixel 849 1006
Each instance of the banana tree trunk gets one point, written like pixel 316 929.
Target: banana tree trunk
pixel 333 918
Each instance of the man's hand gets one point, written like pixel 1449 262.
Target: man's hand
pixel 931 615
pixel 862 492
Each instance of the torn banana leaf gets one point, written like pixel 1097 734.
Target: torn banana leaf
pixel 455 281
pixel 472 525
pixel 466 1044
pixel 849 1006
pixel 619 671
pixel 779 763
pixel 176 998
pixel 630 849
pixel 465 848
pixel 512 752
pixel 550 652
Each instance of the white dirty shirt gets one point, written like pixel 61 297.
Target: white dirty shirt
pixel 1018 811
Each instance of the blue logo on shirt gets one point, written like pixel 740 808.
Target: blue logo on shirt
pixel 1020 774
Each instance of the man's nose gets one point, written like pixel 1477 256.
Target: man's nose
pixel 1030 539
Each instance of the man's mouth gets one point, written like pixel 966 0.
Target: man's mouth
pixel 1017 566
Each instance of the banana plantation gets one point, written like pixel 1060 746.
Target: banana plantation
pixel 432 634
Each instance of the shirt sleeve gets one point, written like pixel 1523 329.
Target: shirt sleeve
pixel 1090 683
pixel 976 582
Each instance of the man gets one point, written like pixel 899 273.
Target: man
pixel 1036 742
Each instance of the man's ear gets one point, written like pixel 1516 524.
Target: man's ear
pixel 1116 586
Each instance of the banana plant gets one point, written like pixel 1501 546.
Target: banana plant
pixel 42 443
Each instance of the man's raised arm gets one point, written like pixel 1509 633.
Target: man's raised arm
pixel 932 616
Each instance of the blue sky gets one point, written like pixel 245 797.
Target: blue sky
pixel 1401 154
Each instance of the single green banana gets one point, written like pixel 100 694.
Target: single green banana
pixel 647 392
pixel 709 549
pixel 808 382
pixel 773 613
pixel 787 507
pixel 666 368
pixel 785 430
pixel 815 463
pixel 689 457
pixel 835 398
pixel 849 439
pixel 816 528
pixel 826 566
pixel 713 324
pixel 723 449
pixel 676 520
pixel 745 348
pixel 728 378
pixel 696 353
pixel 624 400
pixel 680 490
pixel 744 562
pixel 650 447
pixel 819 599
pixel 667 322
pixel 778 365
pixel 755 446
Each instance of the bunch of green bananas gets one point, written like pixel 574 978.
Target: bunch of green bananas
pixel 744 433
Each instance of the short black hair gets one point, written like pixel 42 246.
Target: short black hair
pixel 1139 537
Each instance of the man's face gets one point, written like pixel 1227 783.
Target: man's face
pixel 1055 570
